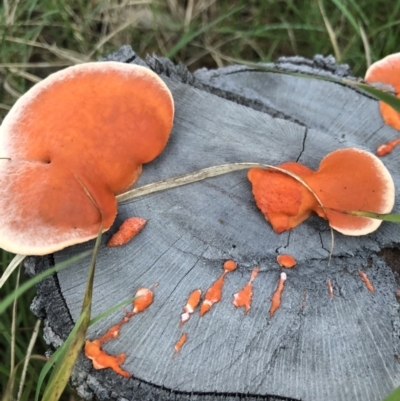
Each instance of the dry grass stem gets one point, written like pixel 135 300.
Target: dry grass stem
pixel 27 358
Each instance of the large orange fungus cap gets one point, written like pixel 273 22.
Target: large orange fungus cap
pixel 74 141
pixel 347 180
pixel 387 71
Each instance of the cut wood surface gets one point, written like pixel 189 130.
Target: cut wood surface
pixel 314 347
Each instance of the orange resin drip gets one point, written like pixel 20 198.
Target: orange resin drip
pixel 213 295
pixel 180 342
pixel 128 229
pixel 102 360
pixel 276 298
pixel 93 350
pixel 230 266
pixel 287 261
pixel 330 288
pixel 244 296
pixel 192 302
pixel 366 281
pixel 386 148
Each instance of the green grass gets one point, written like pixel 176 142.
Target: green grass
pixel 40 37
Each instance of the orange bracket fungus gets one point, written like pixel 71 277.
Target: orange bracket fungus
pixel 244 296
pixel 347 180
pixel 287 261
pixel 128 229
pixel 276 297
pixel 386 71
pixel 93 348
pixel 70 144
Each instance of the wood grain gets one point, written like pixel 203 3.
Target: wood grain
pixel 314 347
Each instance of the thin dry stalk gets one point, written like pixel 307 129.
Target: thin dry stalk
pixel 13 329
pixel 367 48
pixel 331 32
pixel 27 358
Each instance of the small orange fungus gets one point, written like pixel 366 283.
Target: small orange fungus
pixel 180 342
pixel 366 281
pixel 276 297
pixel 93 350
pixel 191 304
pixel 330 288
pixel 286 260
pixel 347 180
pixel 387 71
pixel 244 296
pixel 230 266
pixel 386 148
pixel 127 230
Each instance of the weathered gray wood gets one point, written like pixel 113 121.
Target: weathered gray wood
pixel 341 349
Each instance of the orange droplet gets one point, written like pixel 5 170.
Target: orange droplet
pixel 143 299
pixel 191 304
pixel 127 230
pixel 330 288
pixel 213 295
pixel 230 266
pixel 180 342
pixel 287 261
pixel 386 148
pixel 276 297
pixel 398 293
pixel 366 281
pixel 244 296
pixel 101 360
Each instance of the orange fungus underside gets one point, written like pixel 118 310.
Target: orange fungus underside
pixel 347 180
pixel 75 140
pixel 127 231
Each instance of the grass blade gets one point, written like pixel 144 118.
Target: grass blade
pixel 10 268
pixel 392 217
pixel 395 396
pixel 190 36
pixel 72 347
pixel 386 97
pixel 9 299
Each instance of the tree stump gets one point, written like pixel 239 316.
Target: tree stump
pixel 314 347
